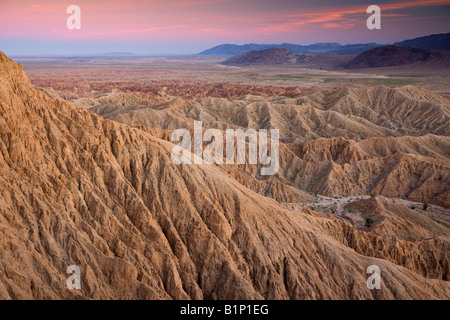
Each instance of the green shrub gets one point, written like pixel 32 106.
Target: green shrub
pixel 425 206
pixel 369 222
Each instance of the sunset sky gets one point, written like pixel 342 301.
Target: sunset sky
pixel 189 26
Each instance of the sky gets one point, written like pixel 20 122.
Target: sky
pixel 33 27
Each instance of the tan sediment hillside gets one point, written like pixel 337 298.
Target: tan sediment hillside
pixel 336 166
pixel 392 142
pixel 398 233
pixel 350 113
pixel 341 167
pixel 78 189
pixel 408 110
pixel 87 91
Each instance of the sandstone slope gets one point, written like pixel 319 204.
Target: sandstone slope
pixel 392 142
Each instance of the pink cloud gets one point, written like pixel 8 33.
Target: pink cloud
pixel 182 19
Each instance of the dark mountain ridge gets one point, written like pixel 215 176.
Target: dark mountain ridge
pixel 439 41
pixel 389 56
pixel 263 57
pixel 317 48
pixel 432 42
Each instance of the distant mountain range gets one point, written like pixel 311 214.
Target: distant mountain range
pixel 270 56
pixel 332 48
pixel 389 56
pixel 386 56
pixel 431 42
